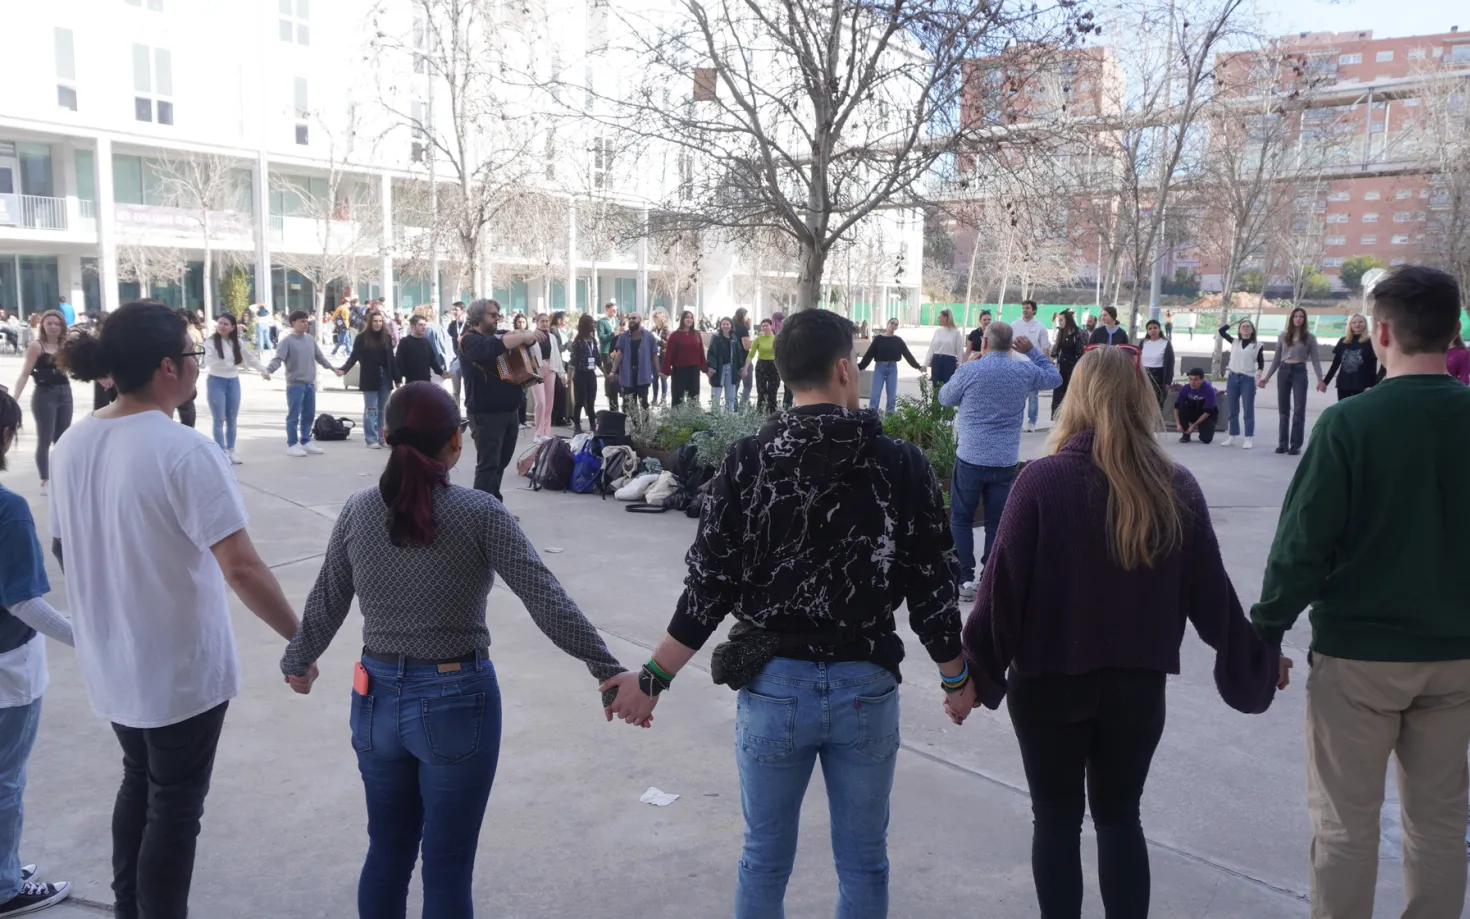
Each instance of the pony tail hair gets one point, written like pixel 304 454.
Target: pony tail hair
pixel 410 480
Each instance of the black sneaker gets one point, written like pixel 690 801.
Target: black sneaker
pixel 1294 451
pixel 1280 449
pixel 1184 438
pixel 35 897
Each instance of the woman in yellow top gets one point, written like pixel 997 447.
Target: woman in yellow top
pixel 763 355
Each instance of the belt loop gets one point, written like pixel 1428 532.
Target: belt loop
pixel 402 668
pixel 479 659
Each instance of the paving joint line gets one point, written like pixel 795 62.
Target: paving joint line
pixel 93 905
pixel 269 493
pixel 1186 854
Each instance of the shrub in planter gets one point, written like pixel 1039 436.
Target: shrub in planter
pixel 725 429
pixel 927 425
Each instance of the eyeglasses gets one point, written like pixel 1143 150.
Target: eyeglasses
pixel 464 425
pixel 197 354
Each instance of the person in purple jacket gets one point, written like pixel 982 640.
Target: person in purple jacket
pixel 1196 410
pixel 1083 669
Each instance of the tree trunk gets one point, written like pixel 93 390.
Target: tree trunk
pixel 970 278
pixel 207 286
pixel 809 284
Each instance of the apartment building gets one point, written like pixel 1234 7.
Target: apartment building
pixel 316 112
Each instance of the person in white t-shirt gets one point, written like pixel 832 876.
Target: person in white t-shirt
pixel 148 522
pixel 1032 328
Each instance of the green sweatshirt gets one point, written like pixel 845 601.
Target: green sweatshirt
pixel 1375 530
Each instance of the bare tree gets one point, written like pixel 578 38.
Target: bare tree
pixel 535 236
pixel 203 185
pixel 149 265
pixel 806 117
pixel 1299 237
pixel 679 255
pixel 1441 141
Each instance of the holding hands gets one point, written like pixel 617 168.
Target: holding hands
pixel 302 684
pixel 629 701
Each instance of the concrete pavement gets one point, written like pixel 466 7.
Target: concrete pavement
pixel 565 835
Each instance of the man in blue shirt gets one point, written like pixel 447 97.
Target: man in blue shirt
pixel 990 394
pixel 68 312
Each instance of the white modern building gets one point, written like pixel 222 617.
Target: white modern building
pixel 309 121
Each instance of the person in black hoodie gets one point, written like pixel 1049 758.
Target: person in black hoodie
pixel 373 350
pixel 814 531
pixel 416 359
pixel 1353 361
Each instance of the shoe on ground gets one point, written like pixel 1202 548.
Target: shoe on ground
pixel 1294 451
pixel 313 449
pixel 43 489
pixel 1184 438
pixel 375 445
pixel 967 590
pixel 234 460
pixel 295 450
pixel 1030 429
pixel 35 897
pixel 526 426
pixel 1246 445
pixel 1225 441
pixel 1280 449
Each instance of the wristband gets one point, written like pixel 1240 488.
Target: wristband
pixel 658 671
pixel 651 683
pixel 958 677
pixel 952 688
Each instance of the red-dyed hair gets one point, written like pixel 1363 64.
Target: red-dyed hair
pixel 420 419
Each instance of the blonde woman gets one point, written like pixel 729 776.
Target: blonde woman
pixel 51 402
pixel 1082 669
pixel 544 392
pixel 1353 361
pixel 945 349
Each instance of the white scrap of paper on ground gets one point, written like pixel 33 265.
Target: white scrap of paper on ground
pixel 554 549
pixel 658 798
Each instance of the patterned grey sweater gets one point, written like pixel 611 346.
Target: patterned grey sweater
pixel 429 601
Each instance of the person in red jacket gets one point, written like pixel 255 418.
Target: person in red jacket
pixel 684 359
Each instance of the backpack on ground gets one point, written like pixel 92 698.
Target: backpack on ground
pixel 619 464
pixel 328 428
pixel 553 466
pixel 586 470
pixel 527 461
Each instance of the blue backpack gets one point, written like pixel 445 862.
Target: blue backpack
pixel 586 470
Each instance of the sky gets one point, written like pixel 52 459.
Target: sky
pixel 1387 18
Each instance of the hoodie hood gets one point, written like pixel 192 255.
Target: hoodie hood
pixel 819 441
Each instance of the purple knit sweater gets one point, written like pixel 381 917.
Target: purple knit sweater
pixel 1052 601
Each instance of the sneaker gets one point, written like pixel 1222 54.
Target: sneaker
pixel 313 449
pixel 1280 449
pixel 27 872
pixel 234 460
pixel 1225 441
pixel 296 450
pixel 1247 444
pixel 526 425
pixel 35 897
pixel 375 445
pixel 1294 451
pixel 967 591
pixel 43 489
pixel 1184 438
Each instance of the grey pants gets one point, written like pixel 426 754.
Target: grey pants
pixel 1291 404
pixel 51 407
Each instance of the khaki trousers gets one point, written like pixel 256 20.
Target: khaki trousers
pixel 1357 713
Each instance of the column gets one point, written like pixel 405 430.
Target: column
pixel 572 302
pixel 643 267
pixel 385 270
pixel 260 182
pixel 106 226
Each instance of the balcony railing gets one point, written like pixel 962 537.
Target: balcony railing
pixel 43 213
pixel 87 209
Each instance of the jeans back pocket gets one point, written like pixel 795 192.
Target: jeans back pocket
pixel 361 721
pixel 765 727
pixel 452 725
pixel 878 725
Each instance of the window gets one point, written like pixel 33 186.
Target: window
pixel 1411 103
pixel 299 98
pixel 1369 239
pixel 1397 260
pixel 293 24
pixel 1336 240
pixel 602 154
pixel 1402 193
pixel 1370 217
pixel 1337 218
pixel 1401 239
pixel 153 82
pixel 1459 53
pixel 66 70
pixel 1349 59
pixel 1370 196
pixel 1383 56
pixel 1402 216
pixel 420 45
pixel 1333 262
pixel 303 134
pixel 1340 196
pixel 1416 54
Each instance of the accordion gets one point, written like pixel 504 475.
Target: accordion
pixel 520 366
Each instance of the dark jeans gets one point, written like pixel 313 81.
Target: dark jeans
pixel 495 436
pixel 1291 403
pixel 1189 412
pixel 685 384
pixel 942 367
pixel 1097 730
pixel 767 381
pixel 155 823
pixel 584 396
pixel 1060 393
pixel 427 746
pixel 189 412
pixel 51 407
pixel 1161 385
pixel 969 485
pixel 636 395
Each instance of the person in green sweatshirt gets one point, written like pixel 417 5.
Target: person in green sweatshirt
pixel 1373 538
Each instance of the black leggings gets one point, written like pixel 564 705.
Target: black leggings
pixel 51 407
pixel 584 394
pixel 1060 392
pixel 685 384
pixel 767 381
pixel 1098 730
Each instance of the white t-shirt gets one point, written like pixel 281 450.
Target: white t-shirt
pixel 137 503
pixel 1034 330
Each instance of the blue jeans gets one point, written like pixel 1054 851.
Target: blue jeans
pixel 1240 388
pixel 726 384
pixel 427 746
pixel 17 736
pixel 1291 404
pixel 794 712
pixel 969 485
pixel 374 401
pixel 300 410
pixel 343 342
pixel 262 334
pixel 224 406
pixel 1033 406
pixel 885 373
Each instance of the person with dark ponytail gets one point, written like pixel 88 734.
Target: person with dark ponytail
pixel 373 350
pixel 425 704
pixel 149 520
pixel 222 362
pixel 24 617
